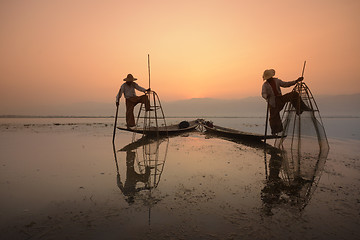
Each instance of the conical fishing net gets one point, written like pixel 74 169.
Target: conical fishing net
pixel 150 120
pixel 303 133
pixel 303 144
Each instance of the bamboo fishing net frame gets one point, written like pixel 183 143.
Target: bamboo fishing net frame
pixel 151 120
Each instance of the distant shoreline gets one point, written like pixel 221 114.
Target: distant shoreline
pixel 200 117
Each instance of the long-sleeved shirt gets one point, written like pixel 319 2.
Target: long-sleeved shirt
pixel 129 91
pixel 267 92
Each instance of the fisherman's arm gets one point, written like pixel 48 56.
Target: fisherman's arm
pixel 141 89
pixel 118 96
pixel 290 83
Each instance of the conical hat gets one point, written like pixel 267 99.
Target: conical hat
pixel 129 78
pixel 268 73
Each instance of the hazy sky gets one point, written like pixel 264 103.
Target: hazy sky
pixel 67 51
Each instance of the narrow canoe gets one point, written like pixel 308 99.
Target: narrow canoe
pixel 170 130
pixel 236 134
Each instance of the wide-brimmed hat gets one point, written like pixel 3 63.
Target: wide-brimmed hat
pixel 268 73
pixel 130 78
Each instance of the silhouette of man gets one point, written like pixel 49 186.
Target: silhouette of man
pixel 131 100
pixel 271 92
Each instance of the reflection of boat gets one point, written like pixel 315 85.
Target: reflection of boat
pixel 139 143
pixel 232 133
pixel 292 180
pixel 170 130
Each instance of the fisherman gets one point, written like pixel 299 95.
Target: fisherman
pixel 271 92
pixel 131 100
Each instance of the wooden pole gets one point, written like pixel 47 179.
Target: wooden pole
pixel 302 74
pixel 265 135
pixel 266 121
pixel 149 68
pixel 300 89
pixel 116 115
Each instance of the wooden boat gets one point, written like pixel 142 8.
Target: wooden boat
pixel 235 134
pixel 168 130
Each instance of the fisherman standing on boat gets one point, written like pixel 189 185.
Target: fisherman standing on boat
pixel 131 100
pixel 271 92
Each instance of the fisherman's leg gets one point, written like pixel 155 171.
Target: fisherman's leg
pixel 296 101
pixel 145 100
pixel 291 97
pixel 132 101
pixel 130 119
pixel 275 120
pixel 142 99
pixel 303 106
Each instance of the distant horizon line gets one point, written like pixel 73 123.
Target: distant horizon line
pixel 197 117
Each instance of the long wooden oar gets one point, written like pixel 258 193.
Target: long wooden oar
pixel 265 136
pixel 266 122
pixel 116 115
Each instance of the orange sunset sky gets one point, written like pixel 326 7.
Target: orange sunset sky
pixel 68 51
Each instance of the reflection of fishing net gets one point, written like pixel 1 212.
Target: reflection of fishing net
pixel 289 184
pixel 304 146
pixel 151 148
pixel 301 177
pixel 152 157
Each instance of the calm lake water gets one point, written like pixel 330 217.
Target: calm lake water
pixel 336 127
pixel 60 178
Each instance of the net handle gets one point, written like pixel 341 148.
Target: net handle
pixel 149 69
pixel 303 70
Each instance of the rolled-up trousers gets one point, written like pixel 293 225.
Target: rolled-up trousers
pixel 130 105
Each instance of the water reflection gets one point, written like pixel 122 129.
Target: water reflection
pixel 144 161
pixel 129 189
pixel 292 178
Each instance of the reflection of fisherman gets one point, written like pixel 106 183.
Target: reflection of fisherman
pixel 128 89
pixel 132 178
pixel 272 191
pixel 272 93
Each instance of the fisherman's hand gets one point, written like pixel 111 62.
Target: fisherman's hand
pixel 117 104
pixel 148 90
pixel 300 79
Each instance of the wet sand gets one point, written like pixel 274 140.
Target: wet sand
pixel 64 181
